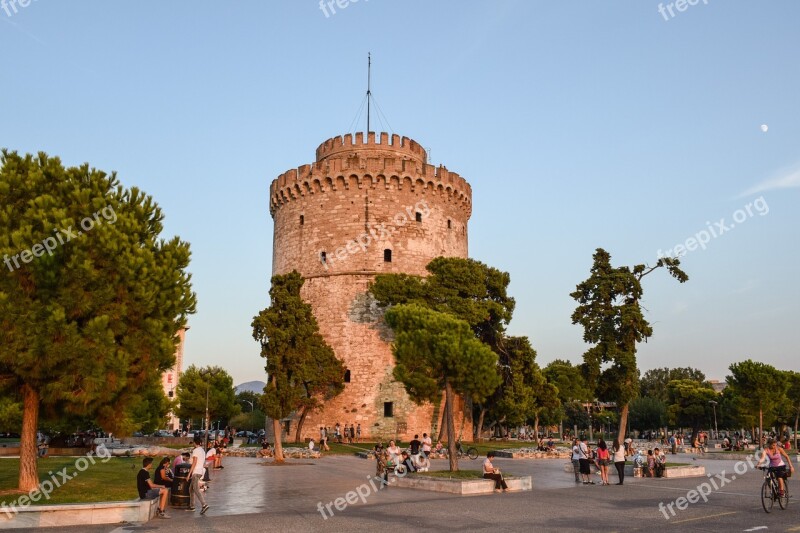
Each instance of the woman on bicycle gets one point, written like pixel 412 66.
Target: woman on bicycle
pixel 777 465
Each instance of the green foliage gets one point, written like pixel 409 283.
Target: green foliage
pixel 10 414
pixel 688 403
pixel 569 381
pixel 148 413
pixel 654 382
pixel 303 371
pixel 648 413
pixel 525 391
pixel 213 381
pixel 88 326
pixel 464 288
pixel 611 316
pixel 575 415
pixel 433 349
pixel 759 388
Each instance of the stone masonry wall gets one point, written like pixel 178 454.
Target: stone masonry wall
pixel 358 201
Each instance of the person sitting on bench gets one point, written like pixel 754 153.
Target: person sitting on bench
pixel 149 490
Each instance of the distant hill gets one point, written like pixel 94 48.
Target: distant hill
pixel 251 386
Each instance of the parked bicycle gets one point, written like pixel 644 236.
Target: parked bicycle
pixel 770 490
pixel 470 452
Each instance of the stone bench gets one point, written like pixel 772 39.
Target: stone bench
pixel 459 486
pixel 79 514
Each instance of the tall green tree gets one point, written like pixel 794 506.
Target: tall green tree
pixel 433 352
pixel 654 382
pixel 610 313
pixel 647 413
pixel 92 298
pixel 760 388
pixel 464 288
pixel 569 381
pixel 212 383
pixel 302 369
pixel 689 404
pixel 525 391
pixel 793 399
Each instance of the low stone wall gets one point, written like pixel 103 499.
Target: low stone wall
pixel 459 486
pixel 154 441
pixel 59 452
pixel 533 453
pixel 670 472
pixel 79 514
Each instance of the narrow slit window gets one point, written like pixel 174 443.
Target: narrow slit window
pixel 449 224
pixel 302 219
pixel 387 256
pixel 347 376
pixel 323 257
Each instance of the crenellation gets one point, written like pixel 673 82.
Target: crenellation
pixel 354 186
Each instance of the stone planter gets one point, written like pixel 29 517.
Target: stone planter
pixel 459 486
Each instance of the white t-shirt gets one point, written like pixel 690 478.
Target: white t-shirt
pixel 619 455
pixel 211 453
pixel 584 450
pixel 487 466
pixel 576 453
pixel 426 444
pixel 200 463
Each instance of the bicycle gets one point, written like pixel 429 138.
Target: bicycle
pixel 470 452
pixel 770 490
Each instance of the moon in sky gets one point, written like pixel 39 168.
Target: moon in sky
pixel 764 128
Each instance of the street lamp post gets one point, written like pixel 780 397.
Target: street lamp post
pixel 252 407
pixel 205 374
pixel 716 431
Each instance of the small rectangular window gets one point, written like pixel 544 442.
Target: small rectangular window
pixel 387 256
pixel 419 216
pixel 388 409
pixel 347 376
pixel 323 257
pixel 302 219
pixel 449 224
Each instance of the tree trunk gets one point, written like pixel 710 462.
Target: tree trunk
pixel 276 429
pixel 796 420
pixel 303 415
pixel 623 423
pixel 28 474
pixel 451 430
pixel 480 424
pixel 760 424
pixel 536 427
pixel 443 423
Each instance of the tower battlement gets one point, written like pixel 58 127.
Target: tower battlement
pixel 342 145
pixel 344 165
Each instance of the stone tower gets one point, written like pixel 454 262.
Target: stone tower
pixel 366 208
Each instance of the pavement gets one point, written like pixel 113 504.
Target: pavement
pixel 248 495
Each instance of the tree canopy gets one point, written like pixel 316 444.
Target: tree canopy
pixel 94 295
pixel 654 382
pixel 610 313
pixel 214 381
pixel 759 388
pixel 689 403
pixel 435 351
pixel 301 367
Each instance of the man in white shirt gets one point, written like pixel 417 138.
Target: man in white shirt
pixel 427 444
pixel 196 472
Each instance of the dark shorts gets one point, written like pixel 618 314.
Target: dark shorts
pixel 779 471
pixel 152 494
pixel 584 466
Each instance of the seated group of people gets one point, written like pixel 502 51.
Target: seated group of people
pixel 157 488
pixel 653 464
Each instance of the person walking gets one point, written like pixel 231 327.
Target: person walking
pixel 196 472
pixel 358 432
pixel 619 461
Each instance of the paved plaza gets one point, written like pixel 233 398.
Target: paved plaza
pixel 248 496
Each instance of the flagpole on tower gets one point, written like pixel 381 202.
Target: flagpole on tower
pixel 369 83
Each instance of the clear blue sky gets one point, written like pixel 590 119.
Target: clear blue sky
pixel 579 125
